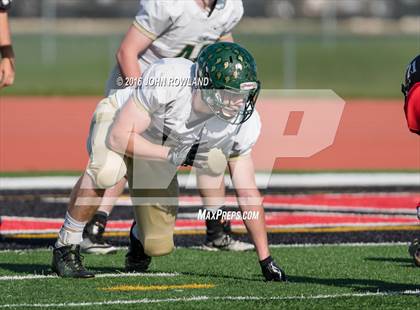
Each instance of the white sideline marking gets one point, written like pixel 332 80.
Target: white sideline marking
pixel 103 275
pixel 214 298
pixel 263 179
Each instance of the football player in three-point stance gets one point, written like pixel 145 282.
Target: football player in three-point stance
pixel 146 133
pixel 411 91
pixel 164 29
pixel 7 56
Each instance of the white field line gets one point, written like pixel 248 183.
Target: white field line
pixel 103 275
pixel 214 298
pixel 297 245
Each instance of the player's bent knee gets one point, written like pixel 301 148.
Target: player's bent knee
pixel 108 176
pixel 158 246
pixel 110 172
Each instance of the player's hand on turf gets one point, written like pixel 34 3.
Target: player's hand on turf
pixel 7 72
pixel 271 271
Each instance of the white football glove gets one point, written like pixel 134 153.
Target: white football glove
pixel 188 155
pixel 212 161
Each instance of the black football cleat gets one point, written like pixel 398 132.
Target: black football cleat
pixel 271 271
pixel 68 263
pixel 135 259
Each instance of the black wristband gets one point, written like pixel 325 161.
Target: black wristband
pixel 266 261
pixel 101 217
pixel 6 51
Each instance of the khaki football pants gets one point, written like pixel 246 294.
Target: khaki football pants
pixel 153 184
pixel 154 194
pixel 105 167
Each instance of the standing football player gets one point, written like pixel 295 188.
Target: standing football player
pixel 7 61
pixel 165 29
pixel 146 133
pixel 411 91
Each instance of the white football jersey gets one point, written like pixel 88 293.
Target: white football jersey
pixel 179 28
pixel 173 120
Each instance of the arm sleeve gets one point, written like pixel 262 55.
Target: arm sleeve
pixel 153 18
pixel 5 5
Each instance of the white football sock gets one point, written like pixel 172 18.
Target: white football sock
pixel 71 232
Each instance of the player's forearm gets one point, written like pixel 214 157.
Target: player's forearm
pixel 134 145
pixel 128 62
pixel 250 201
pixel 139 146
pixel 134 44
pixel 4 30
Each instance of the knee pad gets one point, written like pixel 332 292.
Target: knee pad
pixel 109 172
pixel 112 171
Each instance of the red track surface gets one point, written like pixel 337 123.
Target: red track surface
pixel 12 225
pixel 380 202
pixel 49 134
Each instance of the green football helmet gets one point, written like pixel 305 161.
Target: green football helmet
pixel 231 86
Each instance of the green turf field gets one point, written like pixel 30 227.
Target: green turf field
pixel 353 66
pixel 319 278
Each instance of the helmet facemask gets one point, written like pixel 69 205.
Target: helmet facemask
pixel 232 105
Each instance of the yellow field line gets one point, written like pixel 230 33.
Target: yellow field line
pixel 243 231
pixel 126 288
